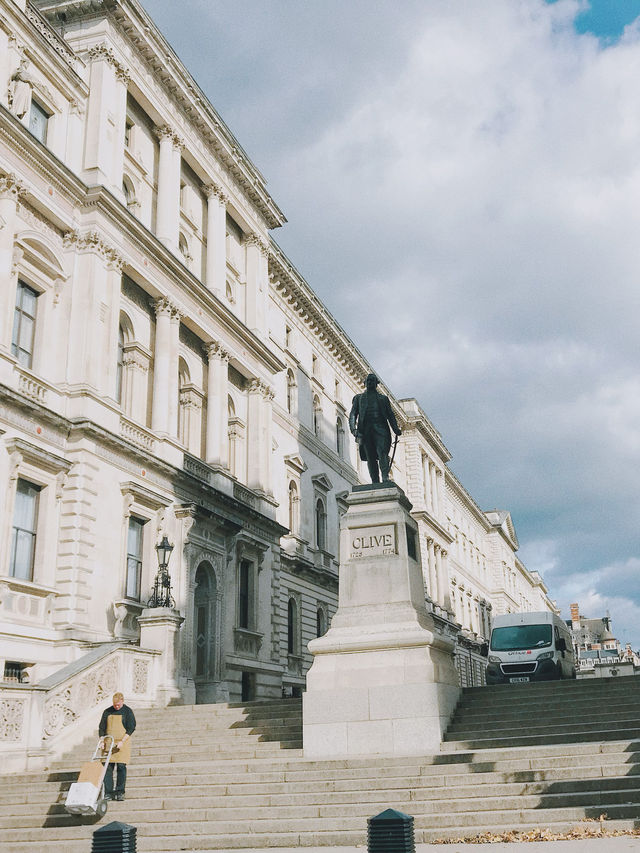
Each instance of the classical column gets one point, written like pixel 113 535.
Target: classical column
pixel 10 190
pixel 176 316
pixel 168 200
pixel 426 474
pixel 259 436
pixel 257 283
pixel 433 575
pixel 161 366
pixel 443 580
pixel 217 396
pixel 216 266
pixel 435 507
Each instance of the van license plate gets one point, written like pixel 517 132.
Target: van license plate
pixel 519 680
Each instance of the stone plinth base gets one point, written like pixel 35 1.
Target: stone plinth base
pixel 383 679
pixel 159 627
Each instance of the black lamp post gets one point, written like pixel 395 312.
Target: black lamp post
pixel 161 594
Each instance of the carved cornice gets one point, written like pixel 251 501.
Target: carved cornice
pixel 102 51
pixel 93 241
pixel 12 187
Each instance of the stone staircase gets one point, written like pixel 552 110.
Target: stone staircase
pixel 220 777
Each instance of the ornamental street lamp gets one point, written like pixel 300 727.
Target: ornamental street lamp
pixel 161 594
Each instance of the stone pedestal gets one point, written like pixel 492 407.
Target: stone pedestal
pixel 383 678
pixel 159 628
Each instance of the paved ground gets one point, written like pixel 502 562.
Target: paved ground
pixel 622 844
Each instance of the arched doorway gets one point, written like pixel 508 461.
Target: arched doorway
pixel 205 623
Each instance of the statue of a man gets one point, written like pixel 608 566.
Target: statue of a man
pixel 369 421
pixel 20 90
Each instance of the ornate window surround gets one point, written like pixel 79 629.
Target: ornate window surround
pixel 33 463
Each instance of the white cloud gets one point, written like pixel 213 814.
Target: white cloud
pixel 471 171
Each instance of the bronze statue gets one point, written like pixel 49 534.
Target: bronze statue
pixel 369 421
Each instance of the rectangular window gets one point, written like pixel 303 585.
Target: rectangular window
pixel 38 122
pixel 134 558
pixel 24 324
pixel 23 537
pixel 244 595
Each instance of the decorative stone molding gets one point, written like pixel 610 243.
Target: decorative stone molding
pixel 11 719
pixel 253 239
pixel 164 305
pixel 67 704
pixel 104 52
pixel 213 190
pixel 50 35
pixel 126 614
pixel 140 677
pixel 214 349
pixel 12 187
pixel 259 386
pixel 136 357
pixel 247 642
pixel 165 131
pixel 191 397
pixel 93 241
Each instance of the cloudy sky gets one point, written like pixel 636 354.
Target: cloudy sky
pixel 472 171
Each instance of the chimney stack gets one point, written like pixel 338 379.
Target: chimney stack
pixel 575 617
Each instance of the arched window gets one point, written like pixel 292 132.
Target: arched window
pixel 184 248
pixel 291 392
pixel 128 191
pixel 321 622
pixel 340 437
pixel 120 364
pixel 232 436
pixel 317 416
pixel 294 502
pixel 183 381
pixel 292 626
pixel 321 525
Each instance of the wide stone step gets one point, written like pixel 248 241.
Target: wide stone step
pixel 551 714
pixel 533 740
pixel 619 724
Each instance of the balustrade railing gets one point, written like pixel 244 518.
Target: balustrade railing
pixel 39 722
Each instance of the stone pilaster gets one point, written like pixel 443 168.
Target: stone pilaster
pixel 259 436
pixel 11 188
pixel 216 262
pixel 257 283
pixel 106 113
pixel 165 368
pixel 217 394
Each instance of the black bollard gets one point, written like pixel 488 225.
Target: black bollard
pixel 115 837
pixel 390 832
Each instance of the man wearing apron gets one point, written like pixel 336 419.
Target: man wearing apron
pixel 119 722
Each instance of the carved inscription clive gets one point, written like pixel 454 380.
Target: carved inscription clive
pixel 372 541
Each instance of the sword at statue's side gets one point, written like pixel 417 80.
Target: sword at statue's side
pixel 393 455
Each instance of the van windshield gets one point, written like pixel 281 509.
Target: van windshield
pixel 520 637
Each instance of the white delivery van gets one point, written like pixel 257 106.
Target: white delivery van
pixel 529 647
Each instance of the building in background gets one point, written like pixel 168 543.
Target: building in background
pixel 598 652
pixel 165 371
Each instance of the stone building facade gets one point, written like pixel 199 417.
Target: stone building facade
pixel 166 371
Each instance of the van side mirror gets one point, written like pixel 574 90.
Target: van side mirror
pixel 484 650
pixel 561 644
